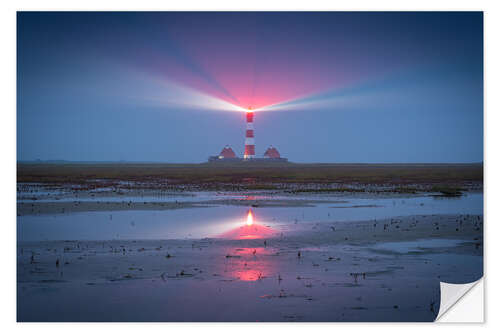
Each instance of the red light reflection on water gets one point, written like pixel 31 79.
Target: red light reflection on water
pixel 250 230
pixel 249 218
pixel 249 275
pixel 249 263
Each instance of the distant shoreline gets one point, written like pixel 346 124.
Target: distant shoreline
pixel 204 162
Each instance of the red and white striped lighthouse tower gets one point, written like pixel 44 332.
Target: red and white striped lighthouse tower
pixel 249 138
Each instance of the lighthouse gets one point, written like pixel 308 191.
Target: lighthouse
pixel 249 137
pixel 227 154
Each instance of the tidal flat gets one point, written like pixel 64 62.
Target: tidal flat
pixel 124 250
pixel 281 269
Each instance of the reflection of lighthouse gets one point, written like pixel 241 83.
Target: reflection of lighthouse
pixel 249 217
pixel 249 138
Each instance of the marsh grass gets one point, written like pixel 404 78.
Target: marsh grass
pixel 448 179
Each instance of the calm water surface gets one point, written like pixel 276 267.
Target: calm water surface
pixel 212 221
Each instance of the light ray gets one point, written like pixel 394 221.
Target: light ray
pixel 144 89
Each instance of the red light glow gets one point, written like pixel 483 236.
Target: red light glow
pixel 249 275
pixel 249 263
pixel 250 230
pixel 249 218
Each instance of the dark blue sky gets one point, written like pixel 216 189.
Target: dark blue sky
pixel 328 87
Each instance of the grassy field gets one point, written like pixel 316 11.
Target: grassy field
pixel 256 175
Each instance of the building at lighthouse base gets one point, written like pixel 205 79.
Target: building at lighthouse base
pixel 227 155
